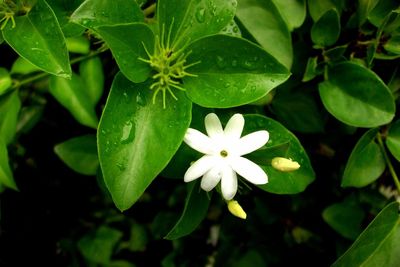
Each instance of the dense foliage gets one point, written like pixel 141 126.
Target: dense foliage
pixel 96 99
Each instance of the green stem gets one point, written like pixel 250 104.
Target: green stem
pixel 149 10
pixel 388 162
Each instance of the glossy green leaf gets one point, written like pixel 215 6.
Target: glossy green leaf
pixel 345 218
pixel 63 10
pixel 80 154
pixel 38 38
pixel 393 140
pixel 72 94
pixel 298 111
pixel 194 18
pixel 196 207
pixel 6 176
pixel 91 71
pixel 98 247
pixel 364 8
pixel 10 105
pixel 78 44
pixel 393 44
pixel 357 96
pixel 318 8
pixel 379 244
pixel 280 182
pixel 226 78
pixel 293 12
pixel 264 22
pixel 366 162
pixel 326 29
pixel 95 13
pixel 23 66
pixel 311 69
pixel 133 142
pixel 127 43
pixel 381 10
pixel 5 80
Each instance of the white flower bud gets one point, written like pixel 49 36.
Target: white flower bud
pixel 237 210
pixel 284 164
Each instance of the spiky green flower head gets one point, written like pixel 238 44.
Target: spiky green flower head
pixel 9 9
pixel 168 63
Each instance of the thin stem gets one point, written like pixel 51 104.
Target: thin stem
pixel 149 10
pixel 388 162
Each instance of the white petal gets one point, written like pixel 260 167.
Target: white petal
pixel 211 178
pixel 251 142
pixel 234 128
pixel 228 183
pixel 199 168
pixel 249 170
pixel 213 126
pixel 198 141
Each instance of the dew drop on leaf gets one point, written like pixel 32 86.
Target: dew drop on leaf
pixel 200 15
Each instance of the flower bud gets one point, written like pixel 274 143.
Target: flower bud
pixel 284 164
pixel 235 208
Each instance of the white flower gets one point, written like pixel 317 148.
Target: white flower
pixel 223 151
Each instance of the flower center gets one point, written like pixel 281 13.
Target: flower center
pixel 223 153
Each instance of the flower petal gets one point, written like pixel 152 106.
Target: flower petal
pixel 213 126
pixel 228 183
pixel 198 141
pixel 234 128
pixel 211 178
pixel 251 142
pixel 199 168
pixel 249 170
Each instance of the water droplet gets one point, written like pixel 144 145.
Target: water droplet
pixel 226 85
pixel 141 100
pixel 272 80
pixel 200 15
pixel 221 63
pixel 234 63
pixel 235 29
pixel 121 166
pixel 128 133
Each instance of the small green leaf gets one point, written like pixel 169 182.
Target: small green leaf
pixel 10 105
pixel 6 176
pixel 345 218
pixel 95 13
pixel 73 96
pixel 29 117
pixel 91 71
pixel 364 8
pixel 225 79
pixel 98 247
pixel 379 244
pixel 80 154
pixel 250 258
pixel 293 12
pixel 137 139
pixel 128 43
pixel 311 69
pixel 38 38
pixel 5 80
pixel 381 10
pixel 63 10
pixel 318 8
pixel 264 22
pixel 393 139
pixel 194 18
pixel 357 96
pixel 138 239
pixel 366 162
pixel 326 29
pixel 393 45
pixel 78 44
pixel 23 66
pixel 196 207
pixel 280 182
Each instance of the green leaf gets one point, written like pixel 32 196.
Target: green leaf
pixel 393 44
pixel 95 13
pixel 38 38
pixel 91 71
pixel 357 96
pixel 298 111
pixel 10 105
pixel 194 18
pixel 311 69
pixel 138 238
pixel 366 162
pixel 293 12
pixel 78 44
pixel 63 10
pixel 280 182
pixel 393 139
pixel 127 43
pixel 379 244
pixel 29 117
pixel 264 22
pixel 226 79
pixel 80 154
pixel 326 29
pixel 196 207
pixel 364 8
pixel 345 218
pixel 250 258
pixel 381 10
pixel 6 176
pixel 1 37
pixel 23 66
pixel 73 96
pixel 318 8
pixel 136 138
pixel 5 80
pixel 98 247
